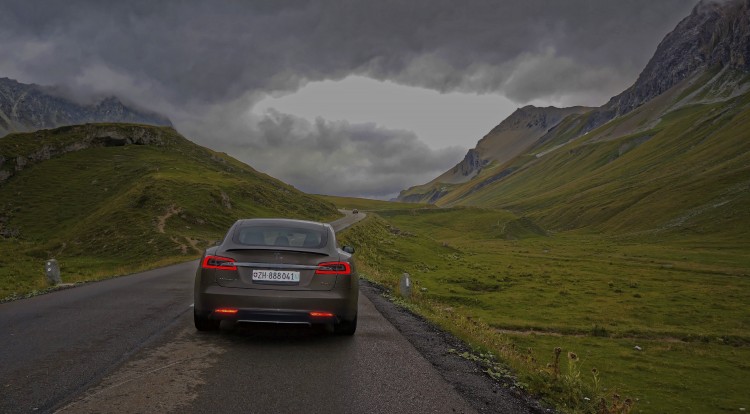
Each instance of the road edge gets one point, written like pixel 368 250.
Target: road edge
pixel 442 350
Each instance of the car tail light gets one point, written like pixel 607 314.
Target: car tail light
pixel 226 311
pixel 219 263
pixel 333 268
pixel 321 314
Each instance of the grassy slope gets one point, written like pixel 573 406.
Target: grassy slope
pixel 566 130
pixel 690 177
pixel 425 193
pixel 98 210
pixel 507 288
pixel 684 173
pixel 501 146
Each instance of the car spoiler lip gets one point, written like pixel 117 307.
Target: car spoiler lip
pixel 278 248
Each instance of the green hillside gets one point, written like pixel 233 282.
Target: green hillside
pixel 685 172
pixel 104 205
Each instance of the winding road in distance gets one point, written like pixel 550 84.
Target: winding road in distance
pixel 128 345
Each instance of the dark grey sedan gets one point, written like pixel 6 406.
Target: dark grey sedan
pixel 278 271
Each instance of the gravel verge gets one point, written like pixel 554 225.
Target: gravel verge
pixel 442 350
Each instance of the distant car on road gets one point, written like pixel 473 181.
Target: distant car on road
pixel 278 271
pixel 355 211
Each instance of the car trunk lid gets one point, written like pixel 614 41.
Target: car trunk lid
pixel 276 270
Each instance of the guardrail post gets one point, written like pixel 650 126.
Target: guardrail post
pixel 52 269
pixel 405 286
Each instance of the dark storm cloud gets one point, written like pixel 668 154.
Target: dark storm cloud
pixel 210 51
pixel 192 59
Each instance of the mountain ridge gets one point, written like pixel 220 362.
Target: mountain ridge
pixel 508 139
pixel 715 33
pixel 30 107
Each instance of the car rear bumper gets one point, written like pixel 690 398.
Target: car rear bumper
pixel 276 317
pixel 276 306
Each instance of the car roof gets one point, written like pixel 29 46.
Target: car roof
pixel 282 222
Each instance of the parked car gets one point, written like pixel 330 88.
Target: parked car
pixel 355 211
pixel 278 271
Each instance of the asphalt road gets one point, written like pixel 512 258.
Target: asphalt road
pixel 128 345
pixel 55 346
pixel 347 220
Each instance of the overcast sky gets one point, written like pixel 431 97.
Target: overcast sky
pixel 341 97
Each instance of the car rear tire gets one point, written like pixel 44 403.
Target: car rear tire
pixel 205 324
pixel 347 327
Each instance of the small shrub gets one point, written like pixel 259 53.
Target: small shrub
pixel 599 331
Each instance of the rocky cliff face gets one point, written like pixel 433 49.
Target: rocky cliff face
pixel 716 34
pixel 469 165
pixel 25 108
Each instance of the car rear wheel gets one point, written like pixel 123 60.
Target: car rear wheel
pixel 205 324
pixel 347 327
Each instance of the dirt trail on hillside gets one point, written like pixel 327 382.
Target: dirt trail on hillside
pixel 161 221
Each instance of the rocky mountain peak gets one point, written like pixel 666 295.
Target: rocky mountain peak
pixel 715 34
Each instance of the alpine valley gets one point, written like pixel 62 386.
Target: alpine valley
pixel 593 257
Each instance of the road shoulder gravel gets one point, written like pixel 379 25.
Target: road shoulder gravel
pixel 442 350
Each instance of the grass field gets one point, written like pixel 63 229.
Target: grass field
pixel 503 284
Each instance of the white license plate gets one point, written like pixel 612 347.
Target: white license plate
pixel 275 276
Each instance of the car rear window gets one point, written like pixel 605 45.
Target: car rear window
pixel 280 237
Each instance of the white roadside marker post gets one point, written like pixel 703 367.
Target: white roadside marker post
pixel 53 272
pixel 405 286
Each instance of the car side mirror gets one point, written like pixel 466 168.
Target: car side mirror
pixel 348 249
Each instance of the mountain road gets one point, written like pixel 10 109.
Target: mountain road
pixel 128 345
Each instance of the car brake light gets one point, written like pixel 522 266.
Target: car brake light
pixel 226 311
pixel 333 268
pixel 219 263
pixel 321 314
